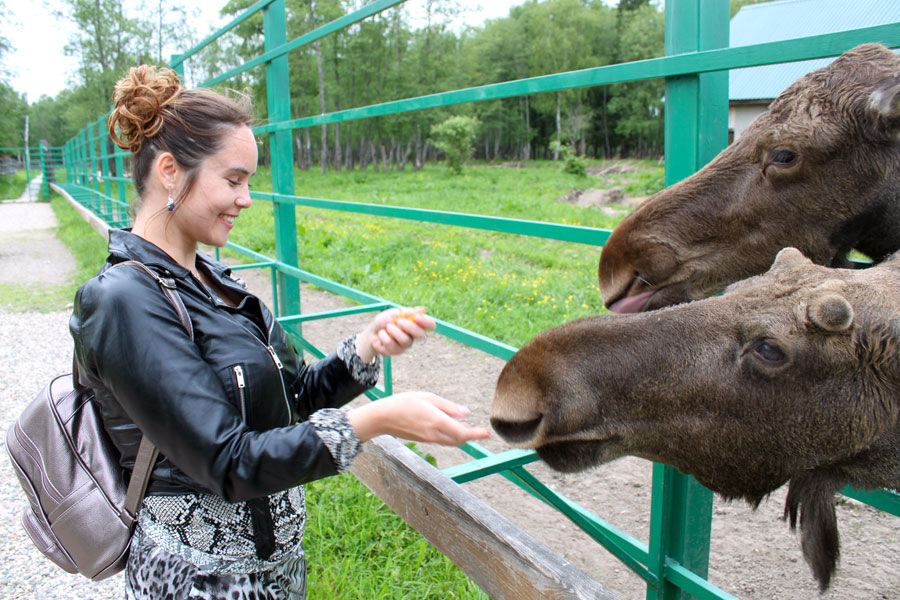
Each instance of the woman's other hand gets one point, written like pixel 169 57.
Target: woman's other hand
pixel 392 331
pixel 416 416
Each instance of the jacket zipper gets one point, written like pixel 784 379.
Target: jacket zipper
pixel 278 364
pixel 271 352
pixel 239 376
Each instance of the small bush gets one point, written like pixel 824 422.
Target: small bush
pixel 456 138
pixel 574 165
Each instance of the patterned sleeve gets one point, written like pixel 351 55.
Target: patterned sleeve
pixel 365 373
pixel 335 431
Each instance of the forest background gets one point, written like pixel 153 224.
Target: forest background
pixel 387 57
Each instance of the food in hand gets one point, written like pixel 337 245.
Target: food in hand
pixel 409 313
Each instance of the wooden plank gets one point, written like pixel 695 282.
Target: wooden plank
pixel 503 560
pixel 93 220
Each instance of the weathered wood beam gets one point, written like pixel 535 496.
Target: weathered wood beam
pixel 93 220
pixel 503 560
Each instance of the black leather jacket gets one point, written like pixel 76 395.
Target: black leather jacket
pixel 228 410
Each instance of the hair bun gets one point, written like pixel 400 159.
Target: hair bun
pixel 139 100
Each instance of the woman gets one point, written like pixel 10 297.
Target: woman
pixel 239 420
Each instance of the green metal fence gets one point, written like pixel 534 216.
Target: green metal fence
pixel 675 561
pixel 44 161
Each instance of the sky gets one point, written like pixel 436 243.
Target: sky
pixel 40 67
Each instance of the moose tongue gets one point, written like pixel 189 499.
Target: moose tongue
pixel 632 304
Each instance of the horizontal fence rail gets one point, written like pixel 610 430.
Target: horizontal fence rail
pixel 96 179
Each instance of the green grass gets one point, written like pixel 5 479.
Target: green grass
pixel 358 548
pixel 504 286
pixel 12 186
pixel 88 250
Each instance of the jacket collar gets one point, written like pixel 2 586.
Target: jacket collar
pixel 124 245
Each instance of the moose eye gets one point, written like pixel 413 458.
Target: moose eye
pixel 769 352
pixel 782 157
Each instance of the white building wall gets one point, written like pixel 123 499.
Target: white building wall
pixel 741 115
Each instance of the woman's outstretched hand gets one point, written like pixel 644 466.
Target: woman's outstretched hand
pixel 416 416
pixel 392 331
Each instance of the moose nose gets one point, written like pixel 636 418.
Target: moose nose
pixel 517 432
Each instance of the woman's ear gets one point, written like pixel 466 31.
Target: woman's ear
pixel 165 169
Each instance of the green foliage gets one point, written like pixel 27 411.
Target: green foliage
pixel 455 137
pixel 647 183
pixel 12 186
pixel 12 117
pixel 356 547
pixel 637 106
pixel 573 164
pixel 390 56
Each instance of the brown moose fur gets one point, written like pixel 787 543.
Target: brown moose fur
pixel 820 171
pixel 790 376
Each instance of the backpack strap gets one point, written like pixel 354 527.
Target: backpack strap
pixel 147 452
pixel 167 284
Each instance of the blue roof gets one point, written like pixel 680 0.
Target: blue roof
pixel 788 19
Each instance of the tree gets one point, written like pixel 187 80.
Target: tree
pixel 455 137
pixel 637 106
pixel 12 117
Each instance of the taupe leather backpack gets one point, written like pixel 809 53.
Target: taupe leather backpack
pixel 80 514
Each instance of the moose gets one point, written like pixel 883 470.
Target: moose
pixel 789 376
pixel 820 171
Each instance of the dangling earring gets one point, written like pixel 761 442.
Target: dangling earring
pixel 170 204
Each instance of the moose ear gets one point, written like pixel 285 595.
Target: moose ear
pixel 788 259
pixel 830 312
pixel 885 100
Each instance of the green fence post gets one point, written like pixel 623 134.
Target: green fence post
pixel 121 216
pixel 176 63
pixel 103 172
pixel 696 129
pixel 92 171
pixel 66 154
pixel 278 95
pixel 45 189
pixel 76 158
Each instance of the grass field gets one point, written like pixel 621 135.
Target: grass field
pixel 504 286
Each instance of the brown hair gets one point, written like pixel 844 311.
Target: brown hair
pixel 154 114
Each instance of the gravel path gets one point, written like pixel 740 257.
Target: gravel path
pixel 33 348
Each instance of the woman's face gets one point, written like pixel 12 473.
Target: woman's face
pixel 220 191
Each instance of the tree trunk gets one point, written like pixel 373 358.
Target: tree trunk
pixel 337 146
pixel 527 130
pixel 607 151
pixel 558 124
pixel 363 155
pixel 323 149
pixel 307 143
pixel 298 155
pixel 409 147
pixel 337 105
pixel 418 161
